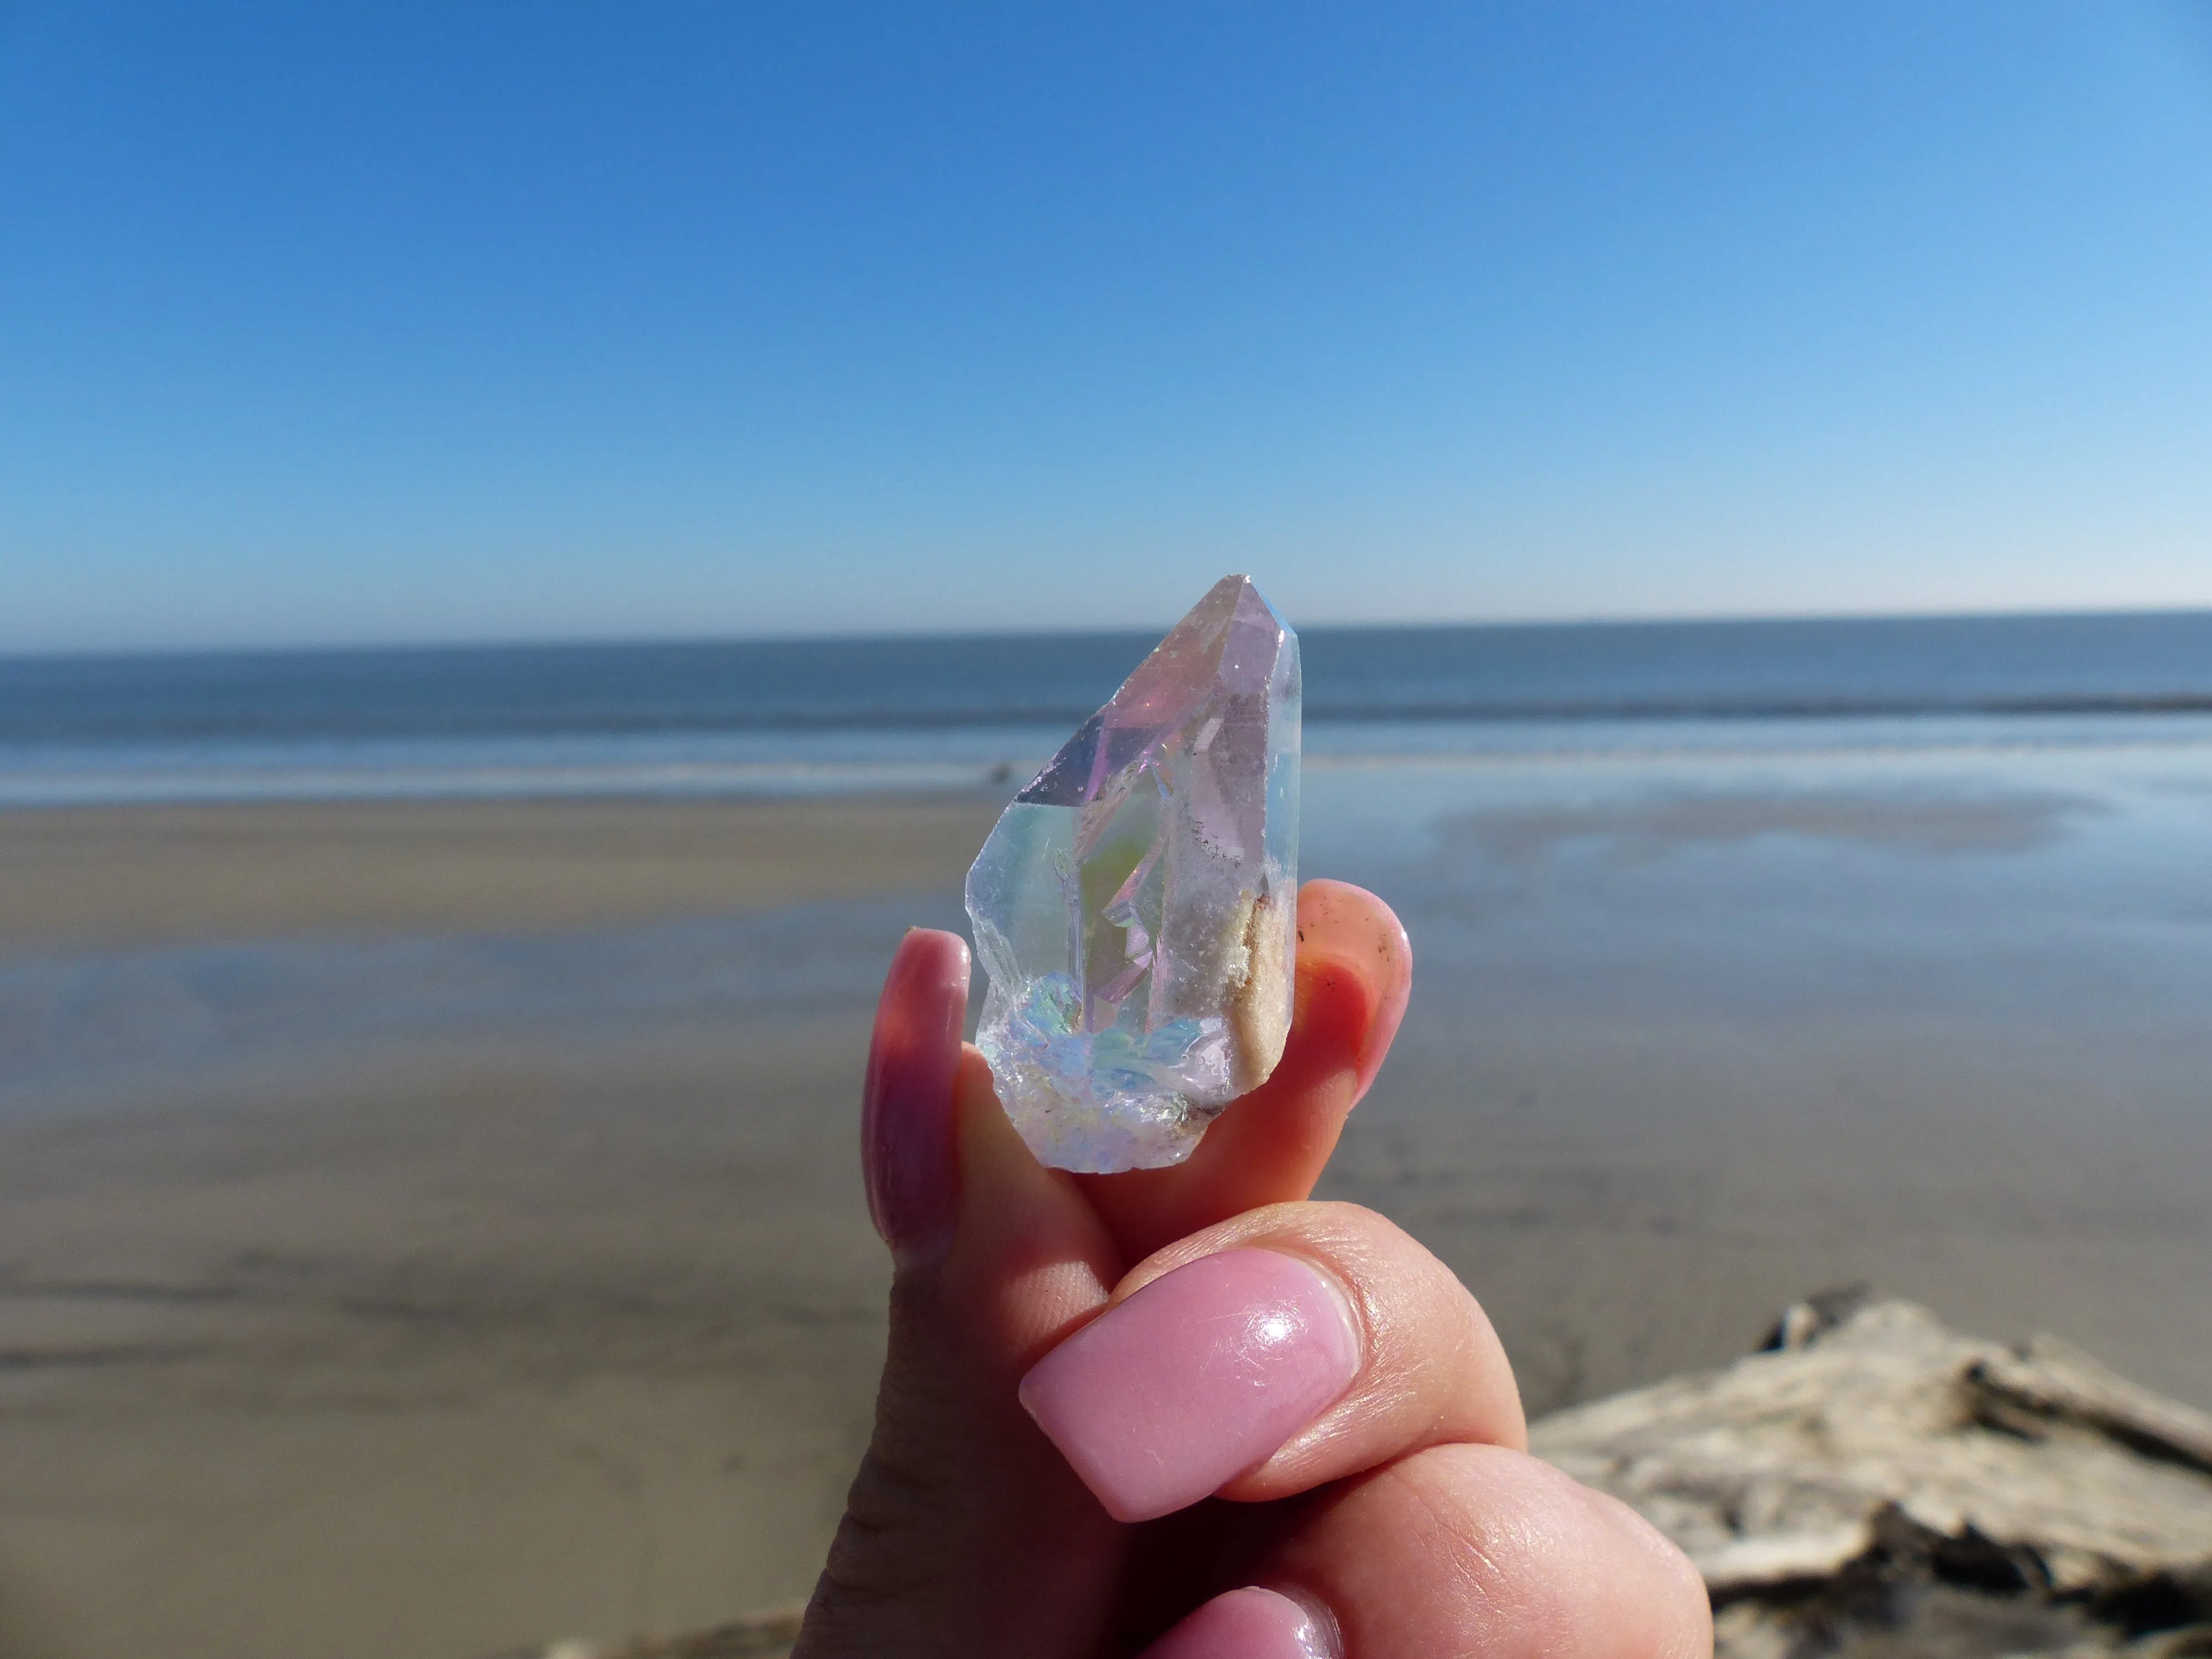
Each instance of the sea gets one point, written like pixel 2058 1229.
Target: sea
pixel 825 716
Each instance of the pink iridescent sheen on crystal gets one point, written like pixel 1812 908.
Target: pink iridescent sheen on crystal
pixel 1135 907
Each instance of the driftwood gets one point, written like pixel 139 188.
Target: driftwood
pixel 1875 1486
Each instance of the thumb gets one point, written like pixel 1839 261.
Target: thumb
pixel 965 1532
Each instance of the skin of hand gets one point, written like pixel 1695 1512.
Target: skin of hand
pixel 1189 1413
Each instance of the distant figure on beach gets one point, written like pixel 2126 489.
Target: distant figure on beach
pixel 1189 1412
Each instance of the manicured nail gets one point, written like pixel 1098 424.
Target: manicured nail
pixel 1336 918
pixel 1194 1379
pixel 1246 1623
pixel 906 1105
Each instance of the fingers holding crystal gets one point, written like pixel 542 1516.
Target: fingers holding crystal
pixel 1354 975
pixel 1268 1356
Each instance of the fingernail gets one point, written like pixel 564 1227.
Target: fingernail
pixel 1194 1379
pixel 906 1104
pixel 1349 923
pixel 1246 1623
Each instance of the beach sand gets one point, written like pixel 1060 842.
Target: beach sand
pixel 427 1230
pixel 422 1341
pixel 130 879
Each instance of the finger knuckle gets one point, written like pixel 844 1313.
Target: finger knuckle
pixel 872 1557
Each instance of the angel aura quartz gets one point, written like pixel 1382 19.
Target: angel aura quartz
pixel 1135 907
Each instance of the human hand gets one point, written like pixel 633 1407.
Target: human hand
pixel 1187 1412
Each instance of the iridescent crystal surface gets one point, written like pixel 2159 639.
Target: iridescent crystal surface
pixel 1135 907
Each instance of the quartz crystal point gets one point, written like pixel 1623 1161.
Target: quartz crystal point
pixel 1135 907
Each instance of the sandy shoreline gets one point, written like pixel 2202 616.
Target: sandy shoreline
pixel 132 878
pixel 424 1230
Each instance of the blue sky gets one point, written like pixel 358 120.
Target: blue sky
pixel 324 323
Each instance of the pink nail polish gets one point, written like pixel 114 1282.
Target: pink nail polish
pixel 1194 1379
pixel 1246 1623
pixel 906 1104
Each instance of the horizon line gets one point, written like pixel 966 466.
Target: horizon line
pixel 618 641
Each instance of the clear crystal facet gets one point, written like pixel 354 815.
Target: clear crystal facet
pixel 1135 907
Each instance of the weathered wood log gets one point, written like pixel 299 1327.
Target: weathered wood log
pixel 1877 1484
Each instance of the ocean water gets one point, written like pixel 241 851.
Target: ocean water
pixel 780 717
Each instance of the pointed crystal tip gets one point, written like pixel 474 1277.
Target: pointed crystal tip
pixel 1134 907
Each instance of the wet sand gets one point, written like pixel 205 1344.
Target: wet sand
pixel 418 1336
pixel 132 878
pixel 425 1229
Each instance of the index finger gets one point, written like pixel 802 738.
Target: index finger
pixel 1355 971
